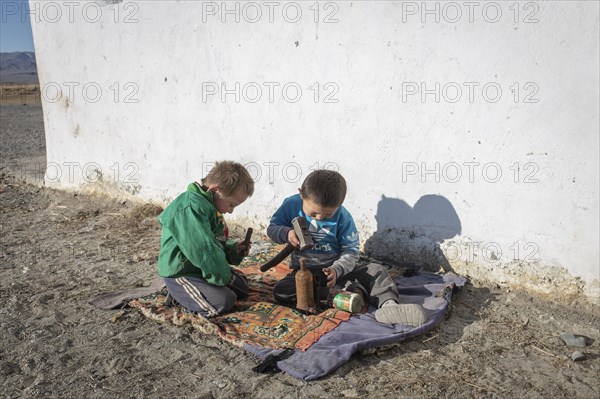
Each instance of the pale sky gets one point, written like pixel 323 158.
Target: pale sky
pixel 15 27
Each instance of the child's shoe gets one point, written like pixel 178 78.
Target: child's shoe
pixel 410 314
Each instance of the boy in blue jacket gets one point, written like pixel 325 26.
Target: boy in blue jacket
pixel 333 259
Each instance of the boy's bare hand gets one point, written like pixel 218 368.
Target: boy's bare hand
pixel 331 276
pixel 242 249
pixel 293 238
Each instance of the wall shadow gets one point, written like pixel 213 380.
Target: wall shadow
pixel 410 236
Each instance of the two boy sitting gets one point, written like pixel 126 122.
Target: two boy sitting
pixel 195 252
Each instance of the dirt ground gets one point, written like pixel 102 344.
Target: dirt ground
pixel 60 249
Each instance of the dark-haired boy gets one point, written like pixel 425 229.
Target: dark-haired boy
pixel 333 259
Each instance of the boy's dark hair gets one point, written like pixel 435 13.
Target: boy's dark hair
pixel 325 188
pixel 231 177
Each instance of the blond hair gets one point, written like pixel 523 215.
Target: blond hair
pixel 231 177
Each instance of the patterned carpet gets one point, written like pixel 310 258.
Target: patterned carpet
pixel 257 319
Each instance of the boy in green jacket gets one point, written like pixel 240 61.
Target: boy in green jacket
pixel 195 252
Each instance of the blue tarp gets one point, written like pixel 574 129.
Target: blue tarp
pixel 432 291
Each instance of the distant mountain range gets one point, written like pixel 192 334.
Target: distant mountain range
pixel 18 67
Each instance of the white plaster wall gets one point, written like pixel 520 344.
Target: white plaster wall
pixel 169 49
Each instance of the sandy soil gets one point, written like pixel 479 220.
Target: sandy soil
pixel 59 250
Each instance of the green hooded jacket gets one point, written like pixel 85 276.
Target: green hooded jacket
pixel 194 239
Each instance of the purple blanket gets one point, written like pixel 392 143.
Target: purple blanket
pixel 433 291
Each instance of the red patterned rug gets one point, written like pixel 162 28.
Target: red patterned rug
pixel 255 320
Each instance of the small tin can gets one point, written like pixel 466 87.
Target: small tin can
pixel 348 301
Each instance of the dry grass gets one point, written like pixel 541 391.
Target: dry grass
pixel 15 93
